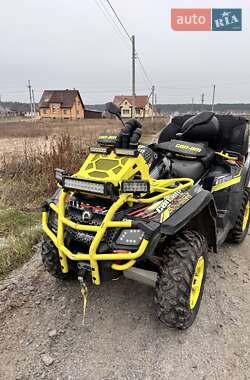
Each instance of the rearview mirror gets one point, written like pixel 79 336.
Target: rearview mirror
pixel 113 109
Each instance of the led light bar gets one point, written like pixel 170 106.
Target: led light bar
pixel 126 152
pixel 100 149
pixel 73 183
pixel 107 140
pixel 59 173
pixel 130 237
pixel 135 186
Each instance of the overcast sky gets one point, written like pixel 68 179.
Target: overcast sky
pixel 60 44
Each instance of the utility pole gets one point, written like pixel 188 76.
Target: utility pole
pixel 202 101
pixel 33 103
pixel 31 107
pixel 192 108
pixel 153 101
pixel 214 89
pixel 133 74
pixel 156 104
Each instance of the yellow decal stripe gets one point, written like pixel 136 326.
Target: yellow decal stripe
pixel 164 215
pixel 226 184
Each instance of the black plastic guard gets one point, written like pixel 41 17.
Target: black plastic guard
pixel 245 173
pixel 186 213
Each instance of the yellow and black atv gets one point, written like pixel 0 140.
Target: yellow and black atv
pixel 153 212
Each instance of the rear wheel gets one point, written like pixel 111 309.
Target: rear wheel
pixel 180 283
pixel 51 261
pixel 239 232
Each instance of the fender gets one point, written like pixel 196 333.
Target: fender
pixel 236 192
pixel 245 173
pixel 199 213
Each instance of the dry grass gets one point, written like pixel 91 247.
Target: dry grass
pixel 39 128
pixel 29 178
pixel 29 153
pixel 19 231
pixel 27 172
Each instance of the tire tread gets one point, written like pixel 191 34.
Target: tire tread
pixel 172 301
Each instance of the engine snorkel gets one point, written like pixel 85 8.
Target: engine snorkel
pixel 130 134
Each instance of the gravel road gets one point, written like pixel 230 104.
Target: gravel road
pixel 42 336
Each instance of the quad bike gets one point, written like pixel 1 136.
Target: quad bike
pixel 152 213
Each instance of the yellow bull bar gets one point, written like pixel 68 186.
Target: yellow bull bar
pixel 92 256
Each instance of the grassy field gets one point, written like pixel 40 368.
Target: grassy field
pixel 29 154
pixel 19 231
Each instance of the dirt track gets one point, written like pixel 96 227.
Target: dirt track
pixel 40 321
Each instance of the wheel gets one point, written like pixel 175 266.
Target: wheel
pixel 239 232
pixel 181 279
pixel 51 261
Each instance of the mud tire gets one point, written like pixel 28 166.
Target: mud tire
pixel 174 283
pixel 237 235
pixel 51 261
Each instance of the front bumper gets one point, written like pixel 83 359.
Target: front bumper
pixel 91 256
pixel 151 229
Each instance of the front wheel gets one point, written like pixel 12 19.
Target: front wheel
pixel 51 261
pixel 180 283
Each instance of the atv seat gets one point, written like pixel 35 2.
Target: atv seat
pixel 220 132
pixel 189 160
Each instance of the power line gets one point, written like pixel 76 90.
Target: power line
pixel 109 18
pixel 191 88
pixel 130 38
pixel 144 70
pixel 93 90
pixel 119 20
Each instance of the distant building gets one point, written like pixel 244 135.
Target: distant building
pixel 92 114
pixel 143 108
pixel 61 104
pixel 6 112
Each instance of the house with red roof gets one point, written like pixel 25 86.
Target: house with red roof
pixel 143 107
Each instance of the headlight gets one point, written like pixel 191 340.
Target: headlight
pixel 59 173
pixel 126 152
pixel 100 149
pixel 130 237
pixel 72 183
pixel 109 140
pixel 135 186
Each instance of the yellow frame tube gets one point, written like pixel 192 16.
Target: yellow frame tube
pixel 92 256
pixel 226 156
pixel 60 232
pixel 46 228
pixel 126 266
pixel 189 183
